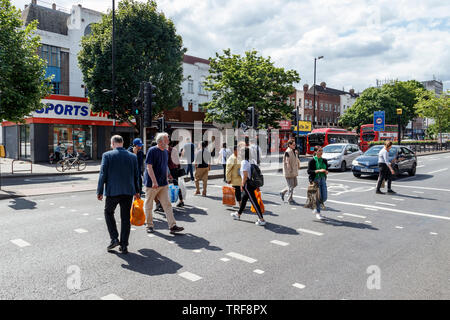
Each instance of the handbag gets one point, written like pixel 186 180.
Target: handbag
pixel 137 215
pixel 312 195
pixel 181 172
pixel 228 196
pixel 259 200
pixel 173 193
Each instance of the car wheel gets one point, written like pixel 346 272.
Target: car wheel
pixel 412 172
pixel 358 175
pixel 343 166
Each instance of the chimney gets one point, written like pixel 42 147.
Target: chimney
pixel 305 87
pixel 26 6
pixel 323 84
pixel 352 91
pixel 54 6
pixel 34 2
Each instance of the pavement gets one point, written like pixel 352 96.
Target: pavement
pixel 370 247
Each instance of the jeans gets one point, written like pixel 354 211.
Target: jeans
pixel 111 203
pixel 190 170
pixel 323 191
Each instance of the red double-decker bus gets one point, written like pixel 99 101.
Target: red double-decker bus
pixel 367 134
pixel 325 136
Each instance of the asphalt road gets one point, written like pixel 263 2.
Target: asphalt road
pixel 370 247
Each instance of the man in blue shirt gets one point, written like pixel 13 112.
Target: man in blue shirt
pixel 136 148
pixel 119 172
pixel 156 182
pixel 188 151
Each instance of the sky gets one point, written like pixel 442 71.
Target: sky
pixel 361 40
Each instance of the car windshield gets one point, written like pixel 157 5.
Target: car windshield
pixel 374 151
pixel 368 137
pixel 333 148
pixel 316 139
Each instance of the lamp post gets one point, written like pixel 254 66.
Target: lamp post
pixel 113 58
pixel 314 90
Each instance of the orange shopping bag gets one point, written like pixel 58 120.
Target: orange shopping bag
pixel 260 202
pixel 228 196
pixel 137 215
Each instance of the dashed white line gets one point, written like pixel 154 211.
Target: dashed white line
pixel 367 221
pixel 171 241
pixel 293 208
pixel 85 214
pixel 398 227
pixel 21 243
pixel 340 216
pixel 386 204
pixel 420 166
pixel 280 243
pixel 151 235
pixel 73 210
pixel 371 209
pixel 204 209
pixel 433 233
pixel 197 250
pixel 225 259
pixel 299 285
pixel 80 230
pixel 398 199
pixel 354 215
pixel 418 192
pixel 258 271
pixel 241 257
pixel 310 231
pixel 99 219
pixel 445 169
pixel 111 297
pixel 62 207
pixel 190 276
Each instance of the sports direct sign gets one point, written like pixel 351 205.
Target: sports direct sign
pixel 66 109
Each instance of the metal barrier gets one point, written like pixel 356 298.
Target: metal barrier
pixel 12 166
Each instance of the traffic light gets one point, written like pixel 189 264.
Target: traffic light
pixel 251 117
pixel 149 95
pixel 294 117
pixel 161 124
pixel 136 107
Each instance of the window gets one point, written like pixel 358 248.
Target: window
pixel 56 87
pixel 326 106
pixel 25 146
pixel 321 106
pixel 190 86
pixel 72 138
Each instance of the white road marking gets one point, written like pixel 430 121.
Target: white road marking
pixel 293 208
pixel 80 230
pixel 171 241
pixel 258 271
pixel 111 297
pixel 398 199
pixel 340 216
pixel 204 209
pixel 62 207
pixel 371 209
pixel 73 210
pixel 398 227
pixel 99 219
pixel 397 185
pixel 311 232
pixel 418 192
pixel 433 233
pixel 367 221
pixel 354 215
pixel 197 250
pixel 190 276
pixel 280 243
pixel 420 166
pixel 225 259
pixel 299 285
pixel 151 235
pixel 386 204
pixel 85 214
pixel 52 204
pixel 21 243
pixel 241 257
pixel 445 169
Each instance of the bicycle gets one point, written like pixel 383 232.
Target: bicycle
pixel 69 163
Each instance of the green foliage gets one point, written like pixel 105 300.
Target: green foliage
pixel 22 72
pixel 147 49
pixel 436 108
pixel 238 82
pixel 399 94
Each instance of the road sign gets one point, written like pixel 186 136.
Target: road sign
pixel 304 127
pixel 378 121
pixel 399 111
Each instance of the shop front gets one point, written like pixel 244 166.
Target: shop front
pixel 68 123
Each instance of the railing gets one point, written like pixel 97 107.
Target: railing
pixel 12 166
pixel 422 146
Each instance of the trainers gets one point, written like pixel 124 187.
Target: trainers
pixel 379 192
pixel 260 223
pixel 282 196
pixel 181 204
pixel 292 202
pixel 314 211
pixel 391 191
pixel 150 229
pixel 175 229
pixel 236 216
pixel 319 216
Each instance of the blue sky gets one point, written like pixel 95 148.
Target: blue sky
pixel 361 40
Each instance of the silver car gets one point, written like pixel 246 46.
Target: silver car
pixel 341 155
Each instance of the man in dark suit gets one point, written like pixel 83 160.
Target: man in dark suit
pixel 119 172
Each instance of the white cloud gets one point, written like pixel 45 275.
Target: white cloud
pixel 362 40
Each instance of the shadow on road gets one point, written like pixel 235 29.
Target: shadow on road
pixel 150 263
pixel 348 224
pixel 22 204
pixel 189 241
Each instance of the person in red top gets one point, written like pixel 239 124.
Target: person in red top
pixel 174 168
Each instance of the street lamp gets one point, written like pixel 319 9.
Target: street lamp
pixel 107 91
pixel 314 90
pixel 113 58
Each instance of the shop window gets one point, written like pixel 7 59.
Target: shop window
pixel 25 146
pixel 73 139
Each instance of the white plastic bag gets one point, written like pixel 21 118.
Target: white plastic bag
pixel 182 187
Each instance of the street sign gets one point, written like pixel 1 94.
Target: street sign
pixel 378 121
pixel 304 127
pixel 399 111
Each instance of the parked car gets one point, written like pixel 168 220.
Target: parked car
pixel 341 155
pixel 367 164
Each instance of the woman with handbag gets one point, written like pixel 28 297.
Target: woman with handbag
pixel 318 171
pixel 175 169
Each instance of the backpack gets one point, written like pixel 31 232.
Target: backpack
pixel 257 178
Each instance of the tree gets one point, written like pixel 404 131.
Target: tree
pixel 22 72
pixel 147 49
pixel 240 82
pixel 388 98
pixel 436 108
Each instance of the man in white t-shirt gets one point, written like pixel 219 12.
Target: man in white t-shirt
pixel 224 154
pixel 386 170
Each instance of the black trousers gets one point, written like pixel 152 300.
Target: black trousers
pixel 224 172
pixel 385 174
pixel 125 202
pixel 237 193
pixel 249 194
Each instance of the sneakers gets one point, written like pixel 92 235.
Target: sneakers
pixel 282 196
pixel 319 216
pixel 391 192
pixel 150 229
pixel 175 229
pixel 314 211
pixel 292 203
pixel 236 216
pixel 181 204
pixel 260 223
